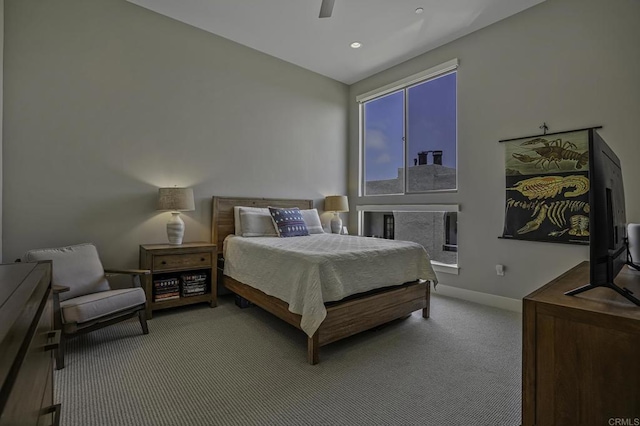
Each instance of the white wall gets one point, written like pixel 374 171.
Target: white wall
pixel 571 63
pixel 106 101
pixel 1 83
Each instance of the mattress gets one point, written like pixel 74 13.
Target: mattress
pixel 308 271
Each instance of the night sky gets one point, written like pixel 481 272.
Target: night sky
pixel 431 126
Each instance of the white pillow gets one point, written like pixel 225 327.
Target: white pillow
pixel 237 221
pixel 312 220
pixel 256 224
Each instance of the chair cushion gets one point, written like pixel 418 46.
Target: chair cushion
pixel 77 267
pixel 94 306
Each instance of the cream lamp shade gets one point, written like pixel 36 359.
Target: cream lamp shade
pixel 176 200
pixel 336 204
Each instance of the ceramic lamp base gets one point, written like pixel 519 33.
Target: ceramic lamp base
pixel 175 229
pixel 336 224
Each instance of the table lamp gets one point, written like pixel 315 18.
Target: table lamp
pixel 336 204
pixel 175 200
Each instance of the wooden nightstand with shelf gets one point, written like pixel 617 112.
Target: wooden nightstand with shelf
pixel 173 262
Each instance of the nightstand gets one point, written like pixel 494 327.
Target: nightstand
pixel 180 275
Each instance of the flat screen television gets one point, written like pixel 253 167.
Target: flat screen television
pixel 608 248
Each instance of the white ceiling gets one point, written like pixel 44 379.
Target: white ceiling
pixel 389 30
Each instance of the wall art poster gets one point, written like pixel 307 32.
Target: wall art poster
pixel 547 188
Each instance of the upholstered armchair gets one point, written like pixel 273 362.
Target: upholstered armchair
pixel 82 297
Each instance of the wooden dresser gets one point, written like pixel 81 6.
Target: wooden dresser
pixel 27 340
pixel 581 354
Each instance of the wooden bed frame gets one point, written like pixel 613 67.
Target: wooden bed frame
pixel 344 318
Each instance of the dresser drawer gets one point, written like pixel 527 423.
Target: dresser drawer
pixel 48 410
pixel 180 261
pixel 30 390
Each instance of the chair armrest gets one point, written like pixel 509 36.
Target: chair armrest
pixel 111 271
pixel 57 289
pixel 134 273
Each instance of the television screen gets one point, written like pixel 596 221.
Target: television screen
pixel 607 216
pixel 607 220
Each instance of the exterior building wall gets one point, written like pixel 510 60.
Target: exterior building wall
pixel 426 177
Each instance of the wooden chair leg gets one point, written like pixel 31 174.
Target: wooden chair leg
pixel 142 316
pixel 60 353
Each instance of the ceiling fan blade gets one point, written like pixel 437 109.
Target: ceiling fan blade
pixel 326 8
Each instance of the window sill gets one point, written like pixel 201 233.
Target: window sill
pixel 444 267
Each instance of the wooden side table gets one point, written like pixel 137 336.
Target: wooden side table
pixel 178 262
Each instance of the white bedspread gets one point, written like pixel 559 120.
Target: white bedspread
pixel 308 271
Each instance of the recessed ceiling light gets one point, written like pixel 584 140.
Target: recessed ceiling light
pixel 419 10
pixel 356 44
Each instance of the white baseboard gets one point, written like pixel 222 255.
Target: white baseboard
pixel 507 303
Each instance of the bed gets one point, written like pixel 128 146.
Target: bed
pixel 374 304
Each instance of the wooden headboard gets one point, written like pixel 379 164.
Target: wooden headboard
pixel 222 220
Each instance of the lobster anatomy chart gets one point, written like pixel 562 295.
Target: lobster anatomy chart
pixel 547 188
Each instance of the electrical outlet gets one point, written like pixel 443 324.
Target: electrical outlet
pixel 500 270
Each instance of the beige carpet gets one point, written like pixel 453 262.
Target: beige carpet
pixel 231 366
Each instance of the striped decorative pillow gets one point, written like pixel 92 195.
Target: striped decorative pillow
pixel 288 222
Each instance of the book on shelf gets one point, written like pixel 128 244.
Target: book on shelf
pixel 194 291
pixel 193 278
pixel 168 296
pixel 168 293
pixel 165 288
pixel 166 283
pixel 193 284
pixel 167 299
pixel 164 296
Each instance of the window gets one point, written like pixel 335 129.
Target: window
pixel 408 145
pixel 384 150
pixel 389 223
pixel 435 227
pixel 450 231
pixel 410 126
